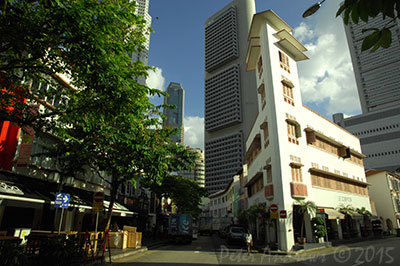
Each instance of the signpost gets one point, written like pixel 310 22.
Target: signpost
pixel 274 211
pixel 61 201
pixel 98 206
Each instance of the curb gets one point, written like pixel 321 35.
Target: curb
pixel 125 254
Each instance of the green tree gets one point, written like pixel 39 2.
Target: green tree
pixel 103 119
pixel 185 193
pixel 305 207
pixel 363 10
pixel 347 210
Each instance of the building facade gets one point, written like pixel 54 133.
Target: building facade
pixel 376 73
pixel 198 173
pixel 379 133
pixel 142 9
pixel 385 192
pixel 378 86
pixel 175 117
pixel 230 106
pixel 294 154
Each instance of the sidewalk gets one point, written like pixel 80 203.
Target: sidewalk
pixel 117 253
pixel 318 246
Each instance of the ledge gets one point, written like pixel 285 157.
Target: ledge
pixel 339 177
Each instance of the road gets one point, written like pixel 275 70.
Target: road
pixel 215 251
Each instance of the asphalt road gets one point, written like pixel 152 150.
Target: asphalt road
pixel 215 251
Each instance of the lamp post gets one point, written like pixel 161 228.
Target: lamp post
pixel 312 9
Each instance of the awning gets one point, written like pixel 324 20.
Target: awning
pixel 333 214
pixel 118 208
pixel 356 216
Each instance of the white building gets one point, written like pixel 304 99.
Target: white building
pixel 142 9
pixel 292 152
pixel 197 174
pixel 385 192
pixel 230 107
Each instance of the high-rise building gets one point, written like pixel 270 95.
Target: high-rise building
pixel 230 106
pixel 197 174
pixel 378 84
pixel 142 9
pixel 377 73
pixel 174 117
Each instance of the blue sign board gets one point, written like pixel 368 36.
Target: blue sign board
pixel 61 201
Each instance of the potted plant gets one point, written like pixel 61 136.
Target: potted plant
pixel 318 228
pixel 304 207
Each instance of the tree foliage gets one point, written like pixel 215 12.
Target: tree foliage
pixel 185 193
pixel 363 10
pixel 102 118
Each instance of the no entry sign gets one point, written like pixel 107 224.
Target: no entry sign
pixel 98 199
pixel 282 214
pixel 274 208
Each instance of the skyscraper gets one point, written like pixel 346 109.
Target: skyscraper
pixel 377 73
pixel 197 174
pixel 378 83
pixel 176 96
pixel 142 9
pixel 230 106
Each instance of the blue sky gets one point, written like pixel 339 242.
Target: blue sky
pixel 177 50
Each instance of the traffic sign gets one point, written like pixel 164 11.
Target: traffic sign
pixel 273 215
pixel 98 199
pixel 282 214
pixel 62 200
pixel 273 208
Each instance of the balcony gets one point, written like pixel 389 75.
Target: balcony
pixel 298 190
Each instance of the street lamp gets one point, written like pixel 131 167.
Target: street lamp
pixel 312 9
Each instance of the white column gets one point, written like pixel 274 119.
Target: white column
pixel 339 227
pixel 285 235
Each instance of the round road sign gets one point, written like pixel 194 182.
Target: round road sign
pixel 98 197
pixel 274 208
pixel 282 214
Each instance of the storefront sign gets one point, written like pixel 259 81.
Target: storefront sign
pixel 6 188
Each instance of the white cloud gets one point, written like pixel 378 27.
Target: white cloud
pixel 155 80
pixel 194 131
pixel 327 78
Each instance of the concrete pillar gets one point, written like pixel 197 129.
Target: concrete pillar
pixel 339 227
pixel 308 229
pixel 37 218
pixel 285 235
pixel 2 207
pixel 69 219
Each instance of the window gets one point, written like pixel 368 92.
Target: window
pixel 292 136
pixel 264 127
pixel 284 61
pixel 261 91
pixel 259 67
pixel 288 93
pixel 296 174
pixel 269 174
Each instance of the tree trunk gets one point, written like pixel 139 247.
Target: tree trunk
pixel 113 194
